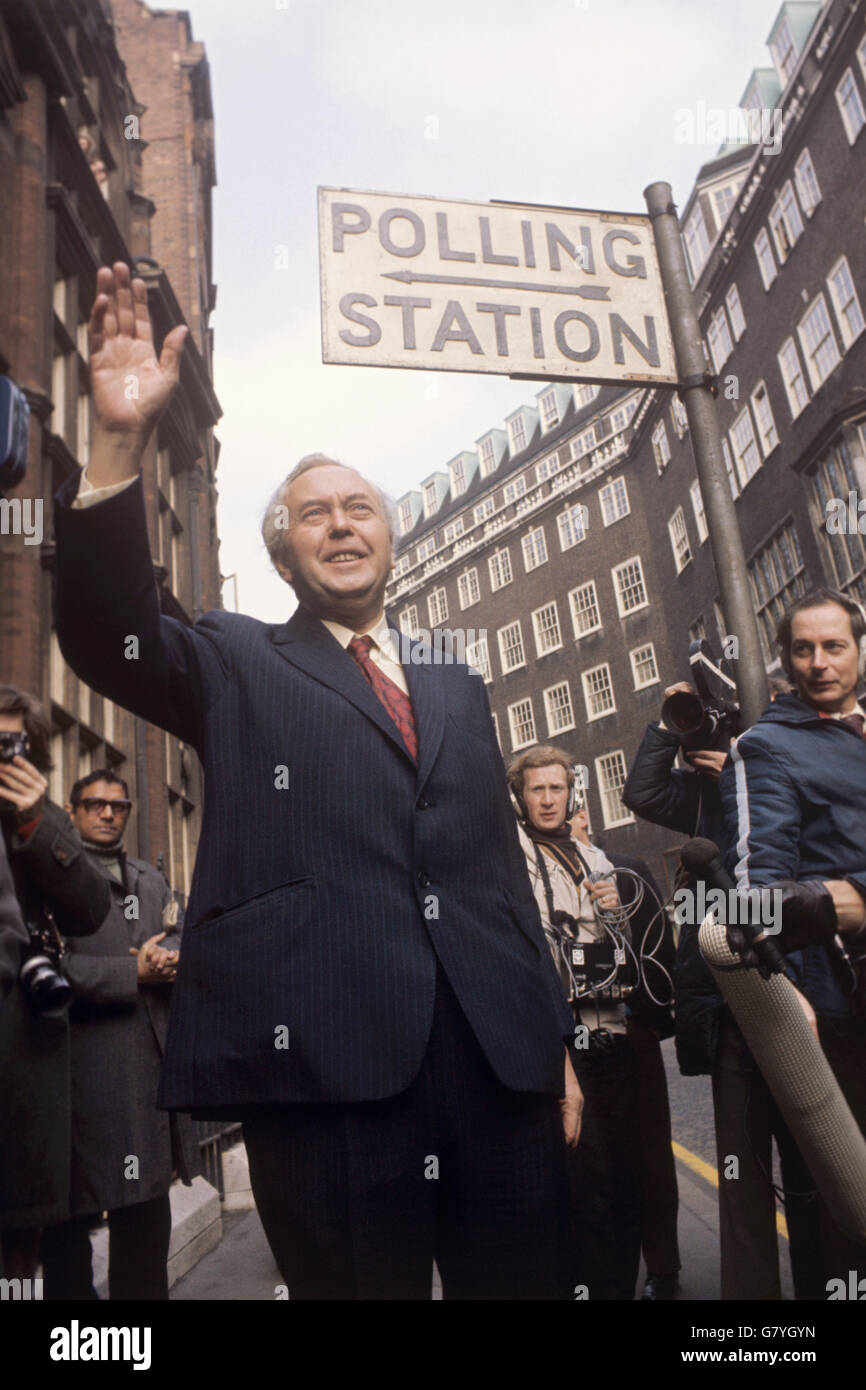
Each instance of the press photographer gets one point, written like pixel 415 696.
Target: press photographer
pixel 59 893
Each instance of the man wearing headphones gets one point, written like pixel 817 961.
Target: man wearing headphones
pixel 604 1174
pixel 794 793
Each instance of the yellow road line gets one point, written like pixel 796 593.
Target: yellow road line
pixel 710 1175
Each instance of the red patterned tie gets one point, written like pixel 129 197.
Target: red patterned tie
pixel 855 721
pixel 398 705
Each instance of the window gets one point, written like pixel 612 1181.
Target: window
pixel 698 509
pixel 786 223
pixel 511 647
pixel 679 417
pixel 778 577
pixel 643 666
pixel 598 692
pixel 845 302
pixel 805 178
pixel 517 434
pixel 697 241
pixel 484 510
pixel 401 565
pixel 818 342
pixel 764 416
pixel 545 622
pixel 614 501
pixel 427 548
pixel 458 478
pixel 409 621
pixel 583 443
pixel 521 721
pixel 835 477
pixel 549 410
pixel 514 489
pixel 629 586
pixel 723 200
pixel 585 615
pixel 487 456
pixel 453 530
pixel 572 526
pixel 783 51
pixel 437 608
pixel 721 344
pixel 405 515
pixel 499 565
pixel 735 309
pixel 428 492
pixel 746 454
pixel 661 448
pixel 557 708
pixel 861 55
pixel 729 468
pixel 534 549
pixel 621 416
pixel 698 631
pixel 792 376
pixel 478 655
pixel 468 591
pixel 610 771
pixel 679 540
pixel 584 394
pixel 766 259
pixel 546 468
pixel 850 106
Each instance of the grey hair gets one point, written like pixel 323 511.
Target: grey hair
pixel 274 536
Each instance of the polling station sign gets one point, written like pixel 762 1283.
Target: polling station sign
pixel 489 287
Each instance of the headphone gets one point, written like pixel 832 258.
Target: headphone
pixel 856 612
pixel 573 803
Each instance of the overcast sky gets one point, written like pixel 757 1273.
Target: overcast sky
pixel 566 102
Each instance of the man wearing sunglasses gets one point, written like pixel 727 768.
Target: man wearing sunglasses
pixel 124 1150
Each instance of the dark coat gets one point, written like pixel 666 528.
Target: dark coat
pixel 318 907
pixel 13 933
pixel 688 802
pixel 49 869
pixel 794 789
pixel 118 1032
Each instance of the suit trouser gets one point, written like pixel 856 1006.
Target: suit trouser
pixel 747 1120
pixel 604 1173
pixel 844 1044
pixel 138 1238
pixel 658 1174
pixel 357 1200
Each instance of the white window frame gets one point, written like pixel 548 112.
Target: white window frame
pixel 735 312
pixel 661 447
pixel 784 52
pixel 453 530
pixel 484 509
pixel 497 567
pixel 847 334
pixel 765 258
pixel 437 606
pixel 857 105
pixel 697 241
pixel 554 728
pixel 597 627
pixel 634 654
pixel 534 547
pixel 733 481
pixel 538 632
pixel 500 637
pixel 818 307
pixel 698 509
pixel 526 742
pixel 409 621
pixel 478 655
pixel 748 440
pixel 514 489
pixel 785 221
pixel 719 339
pixel 768 435
pixel 806 181
pixel 679 538
pixel 591 714
pixel 605 791
pixel 406 518
pixel 546 468
pixel 576 525
pixel 610 499
pixel 430 504
pixel 790 379
pixel 427 547
pixel 617 588
pixel 517 434
pixel 486 457
pixel 544 402
pixel 465 584
pixel 679 417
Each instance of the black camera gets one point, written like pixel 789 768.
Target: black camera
pixel 46 988
pixel 709 718
pixel 12 744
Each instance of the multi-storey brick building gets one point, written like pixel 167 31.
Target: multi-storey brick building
pixel 576 536
pixel 80 177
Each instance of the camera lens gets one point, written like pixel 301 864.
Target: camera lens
pixel 46 989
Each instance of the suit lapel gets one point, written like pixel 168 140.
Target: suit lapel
pixel 428 704
pixel 305 642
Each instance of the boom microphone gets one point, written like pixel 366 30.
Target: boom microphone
pixel 701 858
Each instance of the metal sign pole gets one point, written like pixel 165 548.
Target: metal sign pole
pixel 724 531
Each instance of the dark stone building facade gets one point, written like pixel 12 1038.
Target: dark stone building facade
pixel 593 491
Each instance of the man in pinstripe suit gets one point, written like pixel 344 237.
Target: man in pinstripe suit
pixel 365 979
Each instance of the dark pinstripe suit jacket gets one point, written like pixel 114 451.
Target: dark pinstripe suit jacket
pixel 319 907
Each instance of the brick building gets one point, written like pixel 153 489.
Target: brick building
pixel 83 181
pixel 574 536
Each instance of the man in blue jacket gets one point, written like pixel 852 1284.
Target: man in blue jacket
pixel 364 978
pixel 794 791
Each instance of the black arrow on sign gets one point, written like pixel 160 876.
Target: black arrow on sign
pixel 585 291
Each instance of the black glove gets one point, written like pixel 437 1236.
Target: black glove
pixel 808 914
